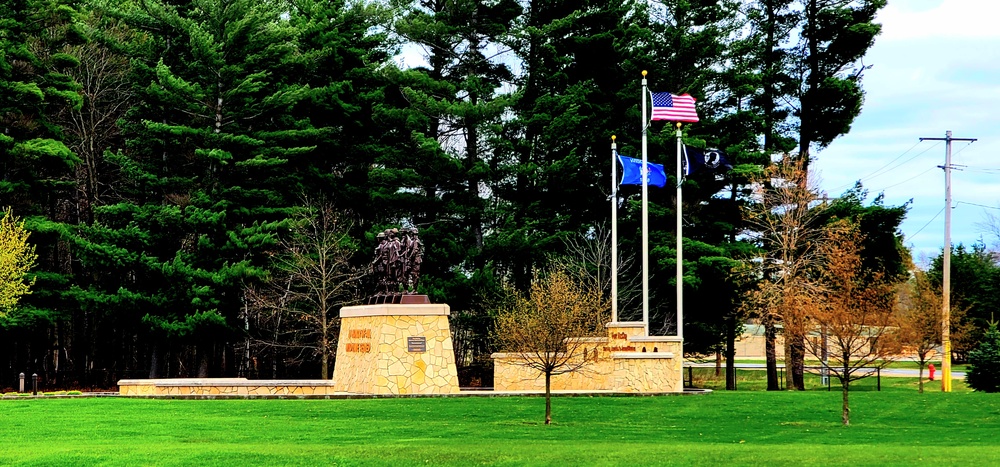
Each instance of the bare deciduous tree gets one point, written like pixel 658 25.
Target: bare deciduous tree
pixel 918 306
pixel 297 312
pixel 540 327
pixel 588 261
pixel 92 128
pixel 788 224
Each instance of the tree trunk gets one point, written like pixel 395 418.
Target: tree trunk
pixel 920 378
pixel 718 363
pixel 324 347
pixel 154 362
pixel 548 397
pixel 203 354
pixel 771 351
pixel 324 371
pixel 731 353
pixel 846 413
pixel 795 362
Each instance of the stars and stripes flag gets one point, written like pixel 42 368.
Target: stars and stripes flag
pixel 673 108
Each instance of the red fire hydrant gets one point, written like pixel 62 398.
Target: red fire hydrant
pixel 931 368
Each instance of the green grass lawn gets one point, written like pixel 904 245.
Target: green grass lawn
pixel 755 380
pixel 895 426
pixel 904 363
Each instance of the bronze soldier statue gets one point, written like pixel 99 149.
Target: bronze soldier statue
pixel 414 255
pixel 395 261
pixel 379 265
pixel 396 267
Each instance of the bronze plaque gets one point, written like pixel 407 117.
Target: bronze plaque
pixel 416 344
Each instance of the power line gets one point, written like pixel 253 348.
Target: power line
pixel 907 180
pixel 897 158
pixel 882 170
pixel 980 205
pixel 914 234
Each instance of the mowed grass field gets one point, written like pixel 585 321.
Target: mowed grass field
pixel 896 426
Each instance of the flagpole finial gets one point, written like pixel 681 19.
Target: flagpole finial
pixel 613 138
pixel 679 125
pixel 644 73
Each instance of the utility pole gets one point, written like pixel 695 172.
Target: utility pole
pixel 946 262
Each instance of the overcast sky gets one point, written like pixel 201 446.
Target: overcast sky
pixel 936 68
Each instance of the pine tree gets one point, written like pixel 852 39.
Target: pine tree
pixel 38 167
pixel 447 111
pixel 834 37
pixel 983 373
pixel 204 173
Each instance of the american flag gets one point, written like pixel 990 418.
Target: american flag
pixel 680 108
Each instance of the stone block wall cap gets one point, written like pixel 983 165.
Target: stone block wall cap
pixel 625 324
pixel 226 382
pixel 389 309
pixel 655 339
pixel 640 355
pixel 586 339
pixel 516 354
pixel 185 381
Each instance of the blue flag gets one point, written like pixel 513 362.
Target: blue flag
pixel 632 168
pixel 697 160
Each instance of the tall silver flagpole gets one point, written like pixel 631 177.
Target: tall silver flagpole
pixel 680 251
pixel 645 215
pixel 614 231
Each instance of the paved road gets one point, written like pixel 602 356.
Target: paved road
pixel 889 372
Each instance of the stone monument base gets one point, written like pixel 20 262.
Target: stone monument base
pixel 395 349
pixel 624 361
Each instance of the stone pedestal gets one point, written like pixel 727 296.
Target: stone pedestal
pixel 395 349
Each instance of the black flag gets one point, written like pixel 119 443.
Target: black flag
pixel 697 160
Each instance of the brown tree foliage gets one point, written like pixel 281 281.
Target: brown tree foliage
pixel 853 315
pixel 787 221
pixel 541 327
pixel 918 306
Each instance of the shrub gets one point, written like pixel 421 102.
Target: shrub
pixel 983 373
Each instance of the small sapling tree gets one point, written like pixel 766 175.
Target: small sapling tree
pixel 855 311
pixel 540 327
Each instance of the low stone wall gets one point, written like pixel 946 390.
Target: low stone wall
pixel 624 361
pixel 510 373
pixel 648 372
pixel 395 349
pixel 224 386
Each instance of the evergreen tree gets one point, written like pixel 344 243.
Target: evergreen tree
pixel 38 168
pixel 975 274
pixel 446 110
pixel 834 37
pixel 983 373
pixel 204 175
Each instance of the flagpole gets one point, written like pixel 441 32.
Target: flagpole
pixel 680 251
pixel 645 215
pixel 614 231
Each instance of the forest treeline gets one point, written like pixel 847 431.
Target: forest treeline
pixel 170 157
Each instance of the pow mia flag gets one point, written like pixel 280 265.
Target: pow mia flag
pixel 697 160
